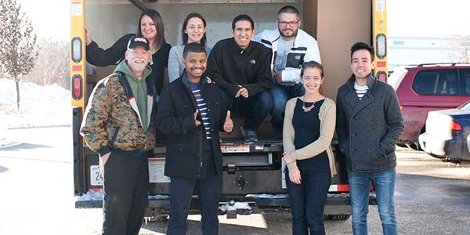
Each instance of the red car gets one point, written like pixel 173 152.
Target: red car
pixel 427 87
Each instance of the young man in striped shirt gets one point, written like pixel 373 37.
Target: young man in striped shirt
pixel 368 125
pixel 191 113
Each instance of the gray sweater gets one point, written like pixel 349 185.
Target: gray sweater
pixel 175 61
pixel 368 128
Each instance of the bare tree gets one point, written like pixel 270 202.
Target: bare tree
pixel 18 48
pixel 462 49
pixel 52 65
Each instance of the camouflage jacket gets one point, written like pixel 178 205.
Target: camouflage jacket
pixel 112 120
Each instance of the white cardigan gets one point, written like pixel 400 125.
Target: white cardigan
pixel 327 116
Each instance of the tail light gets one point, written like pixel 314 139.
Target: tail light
pixel 382 76
pixel 381 45
pixel 456 126
pixel 77 89
pixel 76 50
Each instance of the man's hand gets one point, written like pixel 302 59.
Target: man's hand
pixel 278 77
pixel 197 122
pixel 228 124
pixel 242 91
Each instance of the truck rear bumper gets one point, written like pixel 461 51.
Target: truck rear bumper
pixel 159 206
pixel 260 200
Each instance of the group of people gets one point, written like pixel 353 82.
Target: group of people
pixel 276 72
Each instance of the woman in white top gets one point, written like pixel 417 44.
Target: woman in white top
pixel 193 30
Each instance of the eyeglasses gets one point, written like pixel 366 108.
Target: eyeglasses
pixel 290 23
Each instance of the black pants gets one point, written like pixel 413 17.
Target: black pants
pixel 126 186
pixel 307 202
pixel 254 108
pixel 208 191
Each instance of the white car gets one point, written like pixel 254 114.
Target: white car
pixel 447 133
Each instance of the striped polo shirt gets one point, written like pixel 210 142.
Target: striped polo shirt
pixel 202 107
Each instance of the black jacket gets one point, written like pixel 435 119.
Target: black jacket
pixel 368 128
pixel 230 66
pixel 175 118
pixel 101 57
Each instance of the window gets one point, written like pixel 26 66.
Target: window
pixel 437 82
pixel 465 81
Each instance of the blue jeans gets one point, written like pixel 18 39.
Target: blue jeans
pixel 307 202
pixel 254 108
pixel 281 94
pixel 208 197
pixel 384 183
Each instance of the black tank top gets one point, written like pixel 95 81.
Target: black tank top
pixel 307 130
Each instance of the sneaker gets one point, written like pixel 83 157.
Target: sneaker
pixel 249 136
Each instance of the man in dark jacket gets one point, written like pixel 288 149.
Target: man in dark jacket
pixel 118 125
pixel 369 123
pixel 191 113
pixel 241 67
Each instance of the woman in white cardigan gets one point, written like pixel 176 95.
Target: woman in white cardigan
pixel 309 125
pixel 193 30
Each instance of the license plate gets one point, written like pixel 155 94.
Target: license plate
pixel 235 149
pixel 156 173
pixel 96 178
pixel 157 170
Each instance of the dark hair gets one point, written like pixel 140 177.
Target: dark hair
pixel 158 21
pixel 361 46
pixel 193 47
pixel 185 23
pixel 288 9
pixel 312 64
pixel 243 17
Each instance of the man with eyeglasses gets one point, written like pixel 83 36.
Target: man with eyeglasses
pixel 291 47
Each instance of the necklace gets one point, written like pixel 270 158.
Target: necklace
pixel 307 108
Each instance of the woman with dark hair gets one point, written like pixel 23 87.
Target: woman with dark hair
pixel 150 27
pixel 193 30
pixel 309 125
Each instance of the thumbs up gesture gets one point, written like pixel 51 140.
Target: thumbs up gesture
pixel 197 122
pixel 228 124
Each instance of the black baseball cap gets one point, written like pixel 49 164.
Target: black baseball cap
pixel 138 41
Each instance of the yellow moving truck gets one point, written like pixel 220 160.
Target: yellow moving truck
pixel 252 172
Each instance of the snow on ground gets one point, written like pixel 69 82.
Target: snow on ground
pixel 40 106
pixel 98 196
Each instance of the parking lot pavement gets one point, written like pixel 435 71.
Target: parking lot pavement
pixel 432 197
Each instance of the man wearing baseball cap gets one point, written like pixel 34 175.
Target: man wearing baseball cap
pixel 137 41
pixel 118 126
